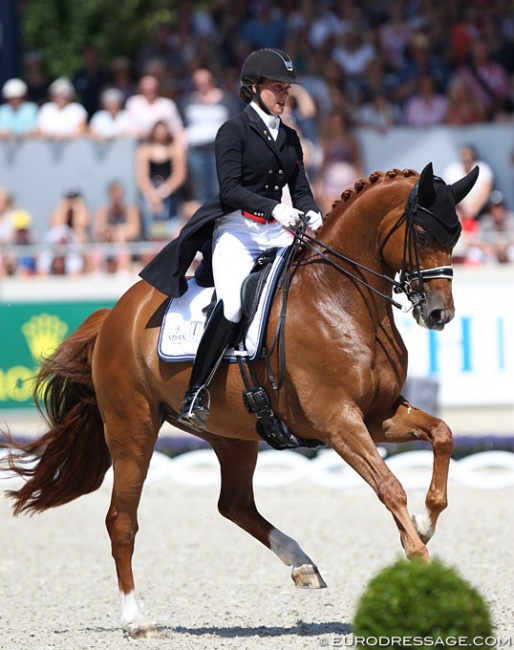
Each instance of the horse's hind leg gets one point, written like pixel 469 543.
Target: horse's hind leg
pixel 131 445
pixel 410 424
pixel 238 460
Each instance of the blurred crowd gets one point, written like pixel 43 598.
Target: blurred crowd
pixel 364 64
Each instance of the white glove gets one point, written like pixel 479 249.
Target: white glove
pixel 314 219
pixel 286 215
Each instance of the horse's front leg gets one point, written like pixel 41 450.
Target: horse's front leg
pixel 406 425
pixel 353 442
pixel 238 460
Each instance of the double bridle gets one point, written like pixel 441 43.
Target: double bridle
pixel 410 258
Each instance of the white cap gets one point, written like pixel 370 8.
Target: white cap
pixel 496 197
pixel 14 88
pixel 111 96
pixel 61 86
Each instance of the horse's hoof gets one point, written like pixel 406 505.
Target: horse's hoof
pixel 307 576
pixel 141 631
pixel 423 526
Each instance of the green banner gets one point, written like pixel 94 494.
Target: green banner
pixel 30 332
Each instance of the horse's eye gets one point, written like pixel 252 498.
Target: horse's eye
pixel 423 237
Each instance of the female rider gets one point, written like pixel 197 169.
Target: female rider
pixel 256 157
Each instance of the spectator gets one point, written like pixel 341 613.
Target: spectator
pixel 112 121
pixel 6 217
pixel 299 113
pixel 353 53
pixel 17 116
pixel 487 79
pixel 470 208
pixel 36 77
pixel 161 171
pixel 160 45
pixel 72 211
pixel 61 256
pixel 149 107
pixel 331 93
pixel 117 222
pixel 420 59
pixel 205 109
pixel 90 79
pixel 341 163
pixel 394 35
pixel 168 85
pixel 377 80
pixel 14 262
pixel 302 109
pixel 426 107
pixel 377 113
pixel 61 118
pixel 495 237
pixel 121 77
pixel 463 106
pixel 265 27
pixel 322 23
pixel 464 32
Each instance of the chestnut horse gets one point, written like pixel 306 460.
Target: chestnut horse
pixel 105 393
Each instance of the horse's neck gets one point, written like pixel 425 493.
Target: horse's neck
pixel 355 236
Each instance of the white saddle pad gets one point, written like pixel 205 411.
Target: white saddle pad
pixel 184 320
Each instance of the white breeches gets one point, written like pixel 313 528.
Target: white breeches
pixel 237 243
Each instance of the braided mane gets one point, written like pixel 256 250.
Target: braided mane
pixel 364 184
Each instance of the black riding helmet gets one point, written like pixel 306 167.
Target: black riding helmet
pixel 267 63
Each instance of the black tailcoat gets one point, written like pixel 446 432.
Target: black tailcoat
pixel 252 170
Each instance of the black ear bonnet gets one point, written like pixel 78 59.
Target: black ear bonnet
pixel 431 205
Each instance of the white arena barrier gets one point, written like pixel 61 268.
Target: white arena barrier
pixel 488 470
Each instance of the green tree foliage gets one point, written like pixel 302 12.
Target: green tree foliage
pixel 60 28
pixel 428 601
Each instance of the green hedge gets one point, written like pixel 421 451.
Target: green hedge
pixel 424 605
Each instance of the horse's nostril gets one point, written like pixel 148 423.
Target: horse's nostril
pixel 439 316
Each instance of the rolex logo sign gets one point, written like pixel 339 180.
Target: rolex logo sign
pixel 27 338
pixel 44 333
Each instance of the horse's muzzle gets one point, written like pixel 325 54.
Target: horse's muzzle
pixel 433 317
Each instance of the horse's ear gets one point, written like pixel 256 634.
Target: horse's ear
pixel 426 189
pixel 462 187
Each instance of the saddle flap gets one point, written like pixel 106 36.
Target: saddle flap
pixel 254 284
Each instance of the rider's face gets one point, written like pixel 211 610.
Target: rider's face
pixel 274 95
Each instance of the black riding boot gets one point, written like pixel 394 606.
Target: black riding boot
pixel 213 344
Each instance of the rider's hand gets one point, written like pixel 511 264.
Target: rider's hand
pixel 314 220
pixel 286 215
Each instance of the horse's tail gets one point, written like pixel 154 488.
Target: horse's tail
pixel 71 459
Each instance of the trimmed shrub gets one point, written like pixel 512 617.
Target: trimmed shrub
pixel 414 604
